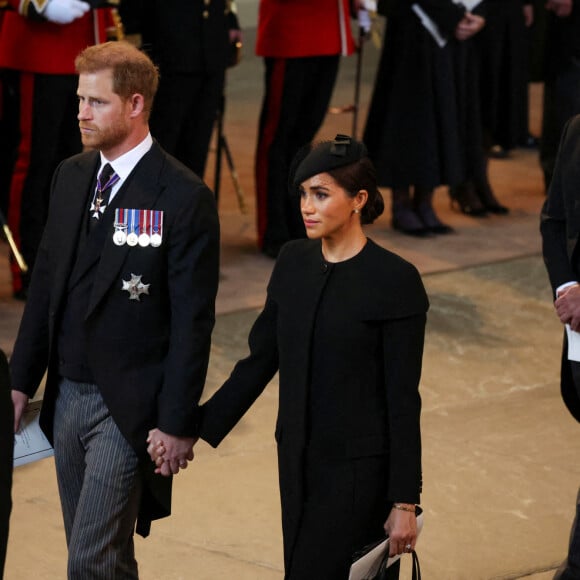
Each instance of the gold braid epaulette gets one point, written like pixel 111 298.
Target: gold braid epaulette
pixel 38 5
pixel 117 31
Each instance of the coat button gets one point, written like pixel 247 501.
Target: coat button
pixel 324 267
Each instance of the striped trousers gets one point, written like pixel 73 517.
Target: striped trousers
pixel 99 485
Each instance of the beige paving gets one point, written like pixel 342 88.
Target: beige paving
pixel 501 454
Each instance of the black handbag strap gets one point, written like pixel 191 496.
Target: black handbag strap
pixel 416 567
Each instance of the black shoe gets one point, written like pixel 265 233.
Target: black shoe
pixel 464 198
pixel 430 220
pixel 406 221
pixel 489 201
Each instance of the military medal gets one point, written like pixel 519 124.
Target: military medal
pixel 120 235
pixel 135 287
pixel 156 228
pixel 144 238
pixel 99 204
pixel 132 237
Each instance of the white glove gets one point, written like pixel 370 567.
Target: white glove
pixel 364 21
pixel 370 5
pixel 65 11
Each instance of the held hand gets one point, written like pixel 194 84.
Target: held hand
pixel 401 527
pixel 567 306
pixel 65 11
pixel 469 25
pixel 169 452
pixel 19 400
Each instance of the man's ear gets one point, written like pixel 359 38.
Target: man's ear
pixel 137 104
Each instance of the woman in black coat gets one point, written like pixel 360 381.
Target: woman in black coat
pixel 344 324
pixel 423 128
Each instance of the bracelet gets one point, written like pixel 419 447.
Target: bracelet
pixel 404 507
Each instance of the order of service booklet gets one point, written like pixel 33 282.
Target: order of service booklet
pixel 30 443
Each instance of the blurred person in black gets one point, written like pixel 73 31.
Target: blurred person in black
pixel 559 227
pixel 561 77
pixel 424 129
pixel 191 43
pixel 504 62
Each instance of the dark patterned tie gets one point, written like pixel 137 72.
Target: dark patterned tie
pixel 105 183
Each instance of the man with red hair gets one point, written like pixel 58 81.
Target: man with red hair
pixel 40 39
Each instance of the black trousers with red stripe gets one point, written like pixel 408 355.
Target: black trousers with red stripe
pixel 8 133
pixel 297 95
pixel 49 133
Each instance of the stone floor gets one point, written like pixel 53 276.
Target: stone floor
pixel 501 466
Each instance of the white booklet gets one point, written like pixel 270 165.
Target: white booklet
pixel 30 443
pixel 368 566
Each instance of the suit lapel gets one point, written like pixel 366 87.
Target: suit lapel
pixel 72 214
pixel 141 191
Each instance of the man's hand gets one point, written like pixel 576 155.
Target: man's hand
pixel 567 306
pixel 169 452
pixel 19 400
pixel 469 25
pixel 401 527
pixel 561 8
pixel 65 11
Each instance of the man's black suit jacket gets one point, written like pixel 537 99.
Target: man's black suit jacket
pixel 6 456
pixel 149 357
pixel 560 228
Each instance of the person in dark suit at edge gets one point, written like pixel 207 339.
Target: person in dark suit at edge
pixel 560 227
pixel 6 457
pixel 121 312
pixel 344 324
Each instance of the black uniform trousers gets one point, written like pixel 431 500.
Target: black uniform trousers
pixel 184 115
pixel 296 98
pixel 49 133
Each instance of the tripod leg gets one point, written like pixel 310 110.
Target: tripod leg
pixel 219 147
pixel 235 179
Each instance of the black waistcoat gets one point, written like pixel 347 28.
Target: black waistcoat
pixel 72 340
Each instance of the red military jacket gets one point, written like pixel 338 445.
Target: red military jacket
pixel 298 28
pixel 30 43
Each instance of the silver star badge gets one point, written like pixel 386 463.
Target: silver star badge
pixel 135 287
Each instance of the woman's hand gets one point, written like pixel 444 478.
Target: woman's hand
pixel 401 527
pixel 469 25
